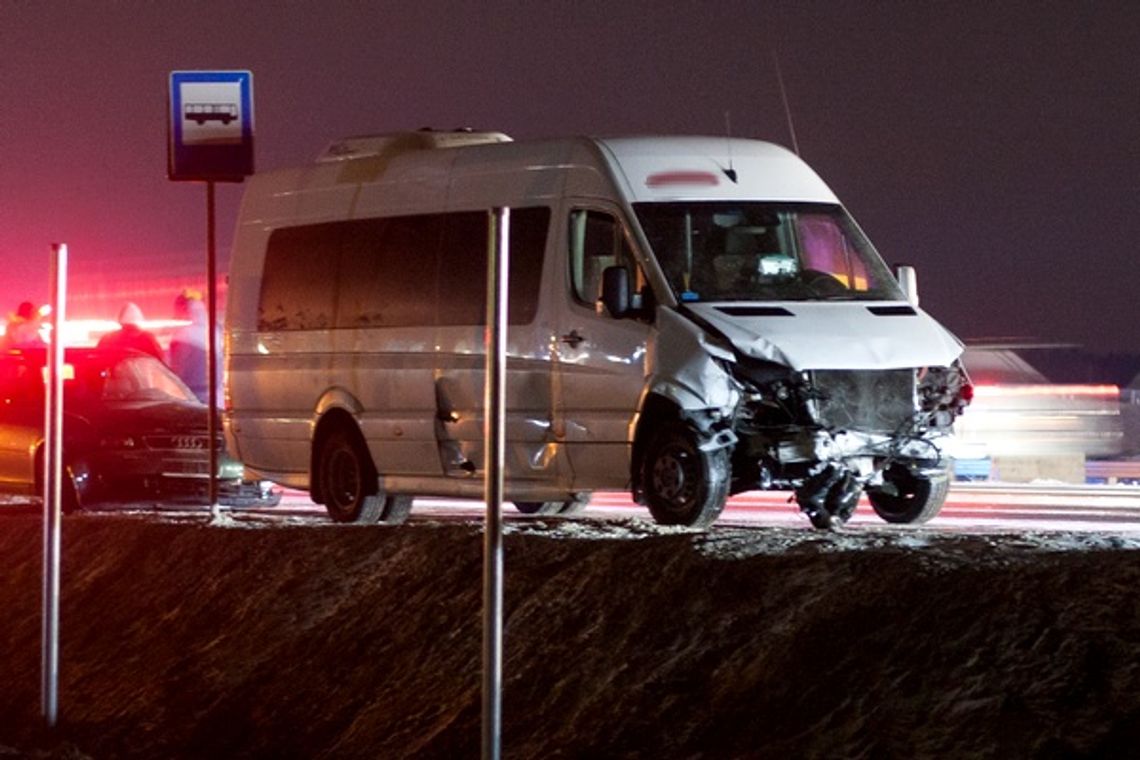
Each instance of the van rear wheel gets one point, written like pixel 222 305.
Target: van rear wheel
pixel 348 480
pixel 683 484
pixel 571 506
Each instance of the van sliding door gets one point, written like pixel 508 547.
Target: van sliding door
pixel 532 456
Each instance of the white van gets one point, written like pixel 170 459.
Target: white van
pixel 689 318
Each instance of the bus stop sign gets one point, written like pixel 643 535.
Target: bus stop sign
pixel 210 125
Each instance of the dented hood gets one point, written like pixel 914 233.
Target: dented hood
pixel 833 335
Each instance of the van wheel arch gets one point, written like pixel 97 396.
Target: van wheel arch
pixel 349 448
pixel 656 412
pixel 683 483
pixel 330 422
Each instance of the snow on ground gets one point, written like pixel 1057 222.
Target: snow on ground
pixel 237 637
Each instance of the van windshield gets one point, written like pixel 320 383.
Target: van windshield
pixel 753 251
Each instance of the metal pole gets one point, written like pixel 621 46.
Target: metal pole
pixel 53 470
pixel 494 339
pixel 212 348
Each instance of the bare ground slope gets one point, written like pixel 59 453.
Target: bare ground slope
pixel 185 639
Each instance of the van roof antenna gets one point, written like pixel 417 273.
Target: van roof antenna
pixel 784 97
pixel 729 172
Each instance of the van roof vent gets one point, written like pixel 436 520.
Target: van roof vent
pixel 363 146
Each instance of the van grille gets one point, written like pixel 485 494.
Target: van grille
pixel 875 401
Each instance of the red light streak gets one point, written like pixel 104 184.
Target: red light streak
pixel 994 391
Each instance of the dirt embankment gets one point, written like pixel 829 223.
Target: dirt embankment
pixel 622 640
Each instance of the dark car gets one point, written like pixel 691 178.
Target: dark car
pixel 132 430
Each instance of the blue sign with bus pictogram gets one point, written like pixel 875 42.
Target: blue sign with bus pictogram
pixel 210 126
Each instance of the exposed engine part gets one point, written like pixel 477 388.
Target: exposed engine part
pixel 811 430
pixel 944 393
pixel 830 496
pixel 877 401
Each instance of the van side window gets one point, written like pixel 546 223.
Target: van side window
pixel 297 287
pixel 384 273
pixel 426 269
pixel 597 241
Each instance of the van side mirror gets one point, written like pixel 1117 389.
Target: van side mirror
pixel 908 281
pixel 615 291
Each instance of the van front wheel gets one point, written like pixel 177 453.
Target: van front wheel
pixel 348 480
pixel 683 484
pixel 907 497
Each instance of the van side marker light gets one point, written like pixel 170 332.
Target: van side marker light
pixel 664 179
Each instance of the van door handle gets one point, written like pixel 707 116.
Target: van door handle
pixel 572 338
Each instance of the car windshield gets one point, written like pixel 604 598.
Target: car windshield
pixel 141 377
pixel 131 377
pixel 753 251
pixel 91 377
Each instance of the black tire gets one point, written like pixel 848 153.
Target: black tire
pixel 571 506
pixel 539 507
pixel 684 485
pixel 396 508
pixel 919 497
pixel 348 479
pixel 575 505
pixel 68 486
pixel 69 495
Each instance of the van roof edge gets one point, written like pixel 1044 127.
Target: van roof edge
pixel 364 146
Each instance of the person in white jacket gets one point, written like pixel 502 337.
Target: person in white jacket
pixel 188 345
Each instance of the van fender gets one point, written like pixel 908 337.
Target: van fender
pixel 689 366
pixel 713 427
pixel 336 398
pixel 336 407
pixel 688 381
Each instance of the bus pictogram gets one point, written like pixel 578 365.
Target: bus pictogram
pixel 201 113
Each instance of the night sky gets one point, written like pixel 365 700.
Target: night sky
pixel 993 145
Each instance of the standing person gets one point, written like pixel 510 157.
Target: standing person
pixel 23 329
pixel 188 346
pixel 131 336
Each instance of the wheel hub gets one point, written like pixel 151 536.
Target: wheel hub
pixel 670 477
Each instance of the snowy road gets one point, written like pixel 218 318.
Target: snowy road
pixel 970 508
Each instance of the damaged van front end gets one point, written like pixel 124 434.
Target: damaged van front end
pixel 827 433
pixel 791 359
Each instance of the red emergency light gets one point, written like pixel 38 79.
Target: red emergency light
pixel 680 177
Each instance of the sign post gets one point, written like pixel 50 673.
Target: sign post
pixel 210 124
pixel 494 340
pixel 53 487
